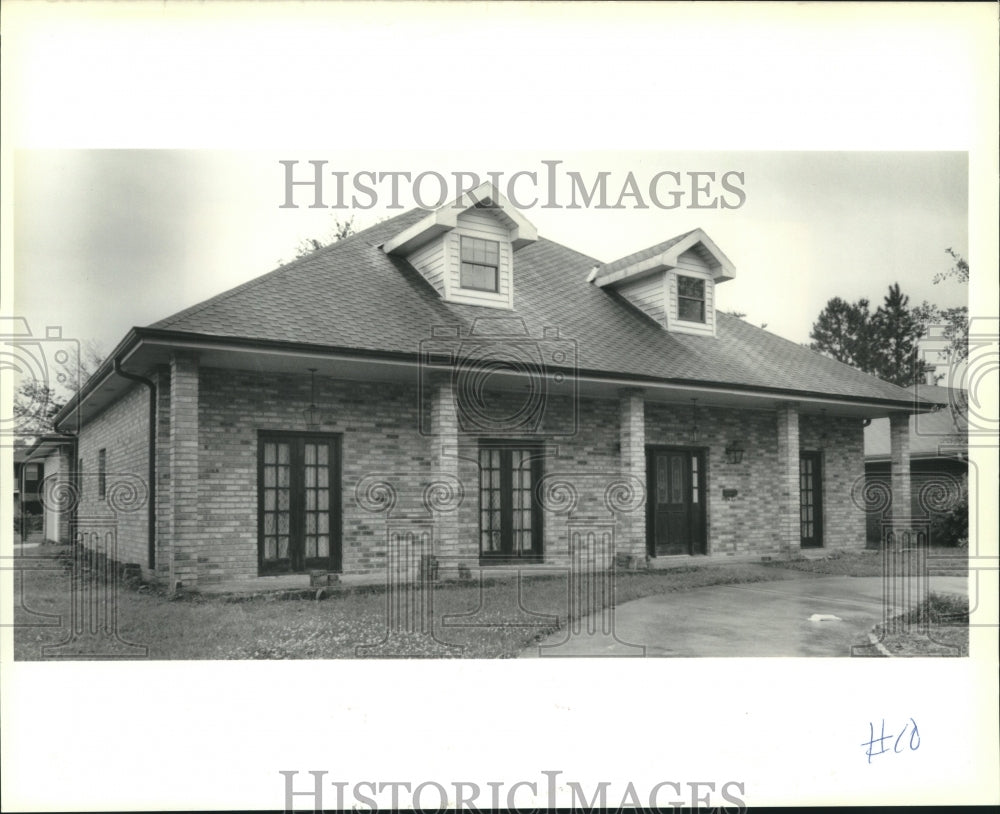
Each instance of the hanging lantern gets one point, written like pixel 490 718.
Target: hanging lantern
pixel 311 412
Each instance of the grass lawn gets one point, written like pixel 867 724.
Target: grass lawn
pixel 938 627
pixel 867 563
pixel 499 622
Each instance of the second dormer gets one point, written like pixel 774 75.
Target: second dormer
pixel 465 249
pixel 673 282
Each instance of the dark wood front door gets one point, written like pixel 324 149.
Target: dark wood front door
pixel 298 503
pixel 675 502
pixel 811 499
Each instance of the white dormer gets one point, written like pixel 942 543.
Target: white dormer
pixel 466 248
pixel 672 282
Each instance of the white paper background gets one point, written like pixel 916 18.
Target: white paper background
pixel 328 77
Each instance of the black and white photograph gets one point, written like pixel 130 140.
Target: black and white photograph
pixel 465 396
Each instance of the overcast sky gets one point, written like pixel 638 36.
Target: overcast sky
pixel 105 240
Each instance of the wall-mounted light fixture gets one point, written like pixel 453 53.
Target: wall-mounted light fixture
pixel 312 411
pixel 734 452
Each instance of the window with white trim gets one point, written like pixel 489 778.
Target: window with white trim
pixel 480 264
pixel 690 299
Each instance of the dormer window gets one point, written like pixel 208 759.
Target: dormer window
pixel 673 283
pixel 466 249
pixel 480 269
pixel 690 299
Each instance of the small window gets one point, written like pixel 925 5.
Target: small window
pixel 690 299
pixel 102 473
pixel 480 264
pixel 31 477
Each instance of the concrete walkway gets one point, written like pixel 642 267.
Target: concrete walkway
pixel 757 620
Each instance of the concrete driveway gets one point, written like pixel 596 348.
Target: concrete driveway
pixel 756 619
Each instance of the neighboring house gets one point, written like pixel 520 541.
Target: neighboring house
pixel 450 381
pixel 27 479
pixel 19 453
pixel 50 459
pixel 938 453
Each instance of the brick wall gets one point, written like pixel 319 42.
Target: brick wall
pixel 121 430
pixel 581 457
pixel 380 441
pixel 207 433
pixel 750 523
pixel 843 457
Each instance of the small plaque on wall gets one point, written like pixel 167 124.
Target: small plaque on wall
pixel 729 494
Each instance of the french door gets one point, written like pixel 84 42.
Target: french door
pixel 298 502
pixel 510 518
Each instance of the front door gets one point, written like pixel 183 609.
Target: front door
pixel 298 503
pixel 811 499
pixel 675 501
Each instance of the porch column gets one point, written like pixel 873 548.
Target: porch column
pixel 632 467
pixel 787 522
pixel 164 490
pixel 184 470
pixel 899 469
pixel 445 483
pixel 64 532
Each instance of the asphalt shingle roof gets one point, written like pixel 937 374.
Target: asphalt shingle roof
pixel 352 295
pixel 643 254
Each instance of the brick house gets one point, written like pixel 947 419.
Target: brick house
pixel 451 379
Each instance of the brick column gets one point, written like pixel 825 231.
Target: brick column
pixel 184 522
pixel 449 546
pixel 899 453
pixel 63 532
pixel 164 492
pixel 787 522
pixel 632 464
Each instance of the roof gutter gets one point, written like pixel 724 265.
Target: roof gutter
pixel 151 486
pixel 105 369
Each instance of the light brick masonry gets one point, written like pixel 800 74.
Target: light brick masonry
pixel 207 468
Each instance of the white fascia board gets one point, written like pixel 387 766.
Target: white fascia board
pixel 725 270
pixel 422 232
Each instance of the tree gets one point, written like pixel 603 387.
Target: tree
pixel 954 322
pixel 36 403
pixel 340 230
pixel 842 332
pixel 895 335
pixel 742 315
pixel 883 343
pixel 960 271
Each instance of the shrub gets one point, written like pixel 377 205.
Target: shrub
pixel 951 527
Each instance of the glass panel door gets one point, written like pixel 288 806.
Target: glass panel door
pixel 811 499
pixel 299 501
pixel 510 524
